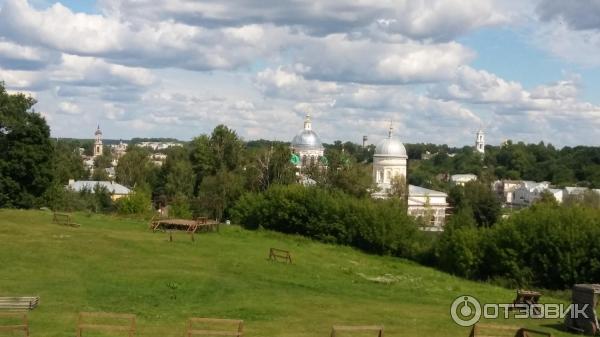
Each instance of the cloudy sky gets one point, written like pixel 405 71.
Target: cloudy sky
pixel 440 69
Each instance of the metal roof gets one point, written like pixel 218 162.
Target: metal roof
pixel 112 187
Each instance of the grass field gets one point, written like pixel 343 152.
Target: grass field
pixel 117 265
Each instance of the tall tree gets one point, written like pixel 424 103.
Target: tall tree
pixel 67 163
pixel 226 147
pixel 178 174
pixel 25 151
pixel 135 168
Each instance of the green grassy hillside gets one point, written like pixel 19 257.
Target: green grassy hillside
pixel 117 265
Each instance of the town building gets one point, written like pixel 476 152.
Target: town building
pixel 462 179
pixel 117 191
pixel 389 164
pixel 119 150
pixel 158 146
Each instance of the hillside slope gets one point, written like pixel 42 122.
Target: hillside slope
pixel 117 265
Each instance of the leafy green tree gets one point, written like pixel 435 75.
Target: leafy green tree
pixel 480 199
pixel 218 193
pixel 67 163
pixel 179 207
pixel 100 174
pixel 226 147
pixel 178 174
pixel 135 168
pixel 25 151
pixel 201 158
pixel 270 166
pixel 103 161
pixel 138 202
pixel 460 250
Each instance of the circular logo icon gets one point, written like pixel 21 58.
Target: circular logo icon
pixel 465 310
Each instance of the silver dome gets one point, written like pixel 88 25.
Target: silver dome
pixel 390 147
pixel 307 140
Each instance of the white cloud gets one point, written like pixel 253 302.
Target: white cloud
pixel 69 108
pixel 423 19
pixel 338 58
pixel 479 86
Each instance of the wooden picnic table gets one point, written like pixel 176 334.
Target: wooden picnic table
pixel 183 224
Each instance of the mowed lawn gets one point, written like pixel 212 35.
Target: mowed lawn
pixel 118 265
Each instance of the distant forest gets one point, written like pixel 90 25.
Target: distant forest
pixel 430 165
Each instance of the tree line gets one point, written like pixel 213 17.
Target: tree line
pixel 254 184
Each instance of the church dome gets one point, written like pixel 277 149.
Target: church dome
pixel 390 147
pixel 307 139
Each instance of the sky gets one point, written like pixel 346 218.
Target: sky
pixel 438 69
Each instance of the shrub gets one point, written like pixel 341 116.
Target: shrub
pixel 137 202
pixel 331 216
pixel 545 245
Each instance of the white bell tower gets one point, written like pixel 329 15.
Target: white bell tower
pixel 480 142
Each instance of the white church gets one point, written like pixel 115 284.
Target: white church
pixel 389 161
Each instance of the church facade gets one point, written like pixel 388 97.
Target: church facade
pixel 307 148
pixel 390 164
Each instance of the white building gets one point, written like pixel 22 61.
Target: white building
pixel 119 150
pixel 389 161
pixel 431 204
pixel 116 190
pixel 307 146
pixel 480 142
pixel 462 179
pixel 156 146
pixel 505 189
pixel 530 191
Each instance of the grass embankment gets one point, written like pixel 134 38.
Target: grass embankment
pixel 117 265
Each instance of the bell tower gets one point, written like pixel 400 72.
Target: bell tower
pixel 98 142
pixel 480 142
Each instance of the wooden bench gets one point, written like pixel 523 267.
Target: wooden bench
pixel 528 299
pixel 280 255
pixel 207 327
pixel 493 330
pixel 97 321
pixel 63 219
pixel 353 328
pixel 19 303
pixel 14 321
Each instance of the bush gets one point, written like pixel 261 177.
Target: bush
pixel 545 245
pixel 381 227
pixel 139 202
pixel 180 207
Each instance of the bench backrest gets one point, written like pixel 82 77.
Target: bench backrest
pixel 280 254
pixel 106 321
pixel 19 303
pixel 492 330
pixel 215 327
pixel 524 296
pixel 13 321
pixel 376 329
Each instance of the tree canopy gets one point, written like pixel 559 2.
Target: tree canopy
pixel 26 152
